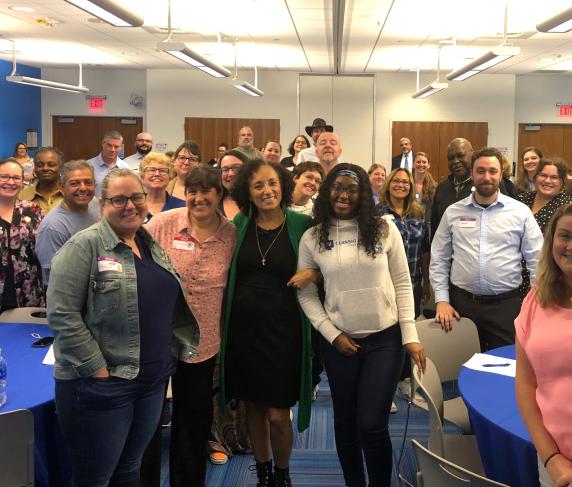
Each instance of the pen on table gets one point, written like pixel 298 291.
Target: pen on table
pixel 496 365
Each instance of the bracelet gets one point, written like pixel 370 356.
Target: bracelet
pixel 550 457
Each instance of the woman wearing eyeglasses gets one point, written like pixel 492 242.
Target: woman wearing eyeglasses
pixel 365 322
pixel 187 156
pixel 115 303
pixel 230 165
pixel 20 271
pixel 549 181
pixel 156 170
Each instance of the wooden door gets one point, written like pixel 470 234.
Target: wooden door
pixel 551 139
pixel 209 133
pixel 80 137
pixel 434 137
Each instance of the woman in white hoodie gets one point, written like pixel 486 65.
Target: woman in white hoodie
pixel 366 320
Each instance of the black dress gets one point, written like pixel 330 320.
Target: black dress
pixel 265 332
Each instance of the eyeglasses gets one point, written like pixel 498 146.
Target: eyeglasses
pixel 137 199
pixel 403 182
pixel 4 178
pixel 234 169
pixel 155 170
pixel 339 189
pixel 542 176
pixel 187 160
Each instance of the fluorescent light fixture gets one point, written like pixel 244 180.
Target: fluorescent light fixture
pixel 561 22
pixel 249 89
pixel 110 11
pixel 44 83
pixel 429 90
pixel 187 55
pixel 492 58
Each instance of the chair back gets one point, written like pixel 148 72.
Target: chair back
pixel 17 448
pixel 435 471
pixel 430 385
pixel 449 351
pixel 25 315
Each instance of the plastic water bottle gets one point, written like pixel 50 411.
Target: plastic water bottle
pixel 3 373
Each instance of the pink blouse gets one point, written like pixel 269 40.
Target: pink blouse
pixel 203 267
pixel 545 335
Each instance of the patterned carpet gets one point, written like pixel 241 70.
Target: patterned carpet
pixel 314 460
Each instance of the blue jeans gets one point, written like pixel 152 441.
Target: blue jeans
pixel 362 389
pixel 107 424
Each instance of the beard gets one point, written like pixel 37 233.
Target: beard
pixel 247 146
pixel 144 149
pixel 486 190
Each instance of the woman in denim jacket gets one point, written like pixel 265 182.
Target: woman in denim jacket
pixel 115 303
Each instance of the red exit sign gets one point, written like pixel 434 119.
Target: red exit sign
pixel 96 103
pixel 566 110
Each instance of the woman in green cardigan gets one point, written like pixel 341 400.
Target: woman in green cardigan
pixel 266 346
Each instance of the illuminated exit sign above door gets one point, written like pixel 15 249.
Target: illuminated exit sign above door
pixel 565 109
pixel 96 102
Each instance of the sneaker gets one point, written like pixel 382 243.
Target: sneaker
pixel 218 458
pixel 393 409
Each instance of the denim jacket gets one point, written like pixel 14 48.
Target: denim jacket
pixel 93 310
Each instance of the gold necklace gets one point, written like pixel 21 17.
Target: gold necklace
pixel 263 255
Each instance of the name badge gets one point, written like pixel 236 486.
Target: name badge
pixel 183 243
pixel 467 222
pixel 107 264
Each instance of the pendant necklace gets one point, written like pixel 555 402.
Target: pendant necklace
pixel 263 255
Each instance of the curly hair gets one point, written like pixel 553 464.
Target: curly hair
pixel 371 227
pixel 241 189
pixel 291 146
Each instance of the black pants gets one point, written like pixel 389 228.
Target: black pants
pixel 494 319
pixel 191 422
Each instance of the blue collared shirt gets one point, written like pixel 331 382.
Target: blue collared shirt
pixel 100 170
pixel 480 249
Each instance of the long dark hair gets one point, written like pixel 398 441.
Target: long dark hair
pixel 371 227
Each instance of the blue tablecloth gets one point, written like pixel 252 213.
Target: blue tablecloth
pixel 31 386
pixel 506 448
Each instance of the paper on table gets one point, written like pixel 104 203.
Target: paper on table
pixel 480 361
pixel 49 359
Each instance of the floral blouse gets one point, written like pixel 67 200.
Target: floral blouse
pixel 19 266
pixel 545 213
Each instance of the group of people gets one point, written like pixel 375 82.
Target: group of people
pixel 240 276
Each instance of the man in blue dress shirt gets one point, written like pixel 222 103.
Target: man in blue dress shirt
pixel 108 159
pixel 476 255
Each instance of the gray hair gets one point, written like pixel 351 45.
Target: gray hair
pixel 116 174
pixel 112 134
pixel 75 166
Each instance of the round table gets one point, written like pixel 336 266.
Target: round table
pixel 506 449
pixel 30 385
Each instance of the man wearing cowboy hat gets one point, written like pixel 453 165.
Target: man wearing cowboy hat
pixel 318 127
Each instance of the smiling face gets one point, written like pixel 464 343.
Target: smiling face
pixel 47 166
pixel 144 143
pixel 399 186
pixel 125 220
pixel 300 144
pixel 202 203
pixel 377 178
pixel 487 173
pixel 548 182
pixel 530 161
pixel 265 189
pixel 421 164
pixel 562 246
pixel 78 189
pixel 344 197
pixel 184 162
pixel 10 187
pixel 229 167
pixel 21 151
pixel 328 148
pixel 405 145
pixel 271 152
pixel 156 175
pixel 308 183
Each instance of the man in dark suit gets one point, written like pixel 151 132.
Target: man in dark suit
pixel 405 159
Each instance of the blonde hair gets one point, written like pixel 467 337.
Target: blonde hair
pixel 506 167
pixel 429 183
pixel 159 158
pixel 550 285
pixel 116 174
pixel 412 208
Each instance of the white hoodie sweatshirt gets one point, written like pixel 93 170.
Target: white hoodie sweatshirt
pixel 363 295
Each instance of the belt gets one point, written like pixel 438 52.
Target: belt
pixel 486 298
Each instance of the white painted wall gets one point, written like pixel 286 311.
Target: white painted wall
pixel 117 84
pixel 483 98
pixel 537 95
pixel 173 95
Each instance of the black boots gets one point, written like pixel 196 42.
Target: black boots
pixel 282 477
pixel 264 474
